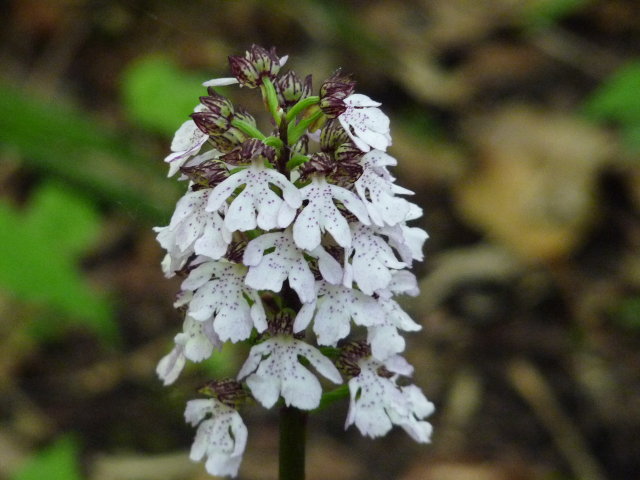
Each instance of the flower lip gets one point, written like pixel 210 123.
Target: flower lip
pixel 365 123
pixel 221 438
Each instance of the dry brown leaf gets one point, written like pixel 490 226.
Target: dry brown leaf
pixel 468 471
pixel 535 189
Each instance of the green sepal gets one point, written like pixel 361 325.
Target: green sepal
pixel 274 142
pixel 271 98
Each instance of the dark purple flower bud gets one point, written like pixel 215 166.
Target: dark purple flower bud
pixel 217 116
pixel 223 143
pixel 211 123
pixel 291 89
pixel 351 353
pixel 301 146
pixel 216 103
pixel 265 60
pixel 244 71
pixel 321 163
pixel 332 136
pixel 257 63
pixel 281 323
pixel 227 391
pixel 335 142
pixel 242 114
pixel 348 153
pixel 205 175
pixel 347 172
pixel 235 251
pixel 249 150
pixel 333 92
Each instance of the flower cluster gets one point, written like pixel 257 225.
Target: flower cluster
pixel 294 241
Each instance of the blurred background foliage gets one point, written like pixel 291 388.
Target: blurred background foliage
pixel 517 124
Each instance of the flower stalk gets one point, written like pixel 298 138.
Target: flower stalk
pixel 301 106
pixel 249 129
pixel 292 450
pixel 299 129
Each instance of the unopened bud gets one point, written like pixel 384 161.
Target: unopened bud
pixel 333 92
pixel 258 62
pixel 291 89
pixel 350 355
pixel 227 391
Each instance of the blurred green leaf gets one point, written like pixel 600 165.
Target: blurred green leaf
pixel 627 314
pixel 224 362
pixel 158 95
pixel 544 13
pixel 61 141
pixel 618 100
pixel 418 122
pixel 42 245
pixel 342 20
pixel 57 462
pixel 631 136
pixel 618 97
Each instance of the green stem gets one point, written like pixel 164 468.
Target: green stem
pixel 296 131
pixel 293 424
pixel 285 155
pixel 300 106
pixel 248 129
pixel 333 396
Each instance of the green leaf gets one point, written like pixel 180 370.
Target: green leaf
pixel 223 363
pixel 61 141
pixel 42 244
pixel 618 97
pixel 631 136
pixel 627 314
pixel 617 100
pixel 158 95
pixel 56 462
pixel 544 13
